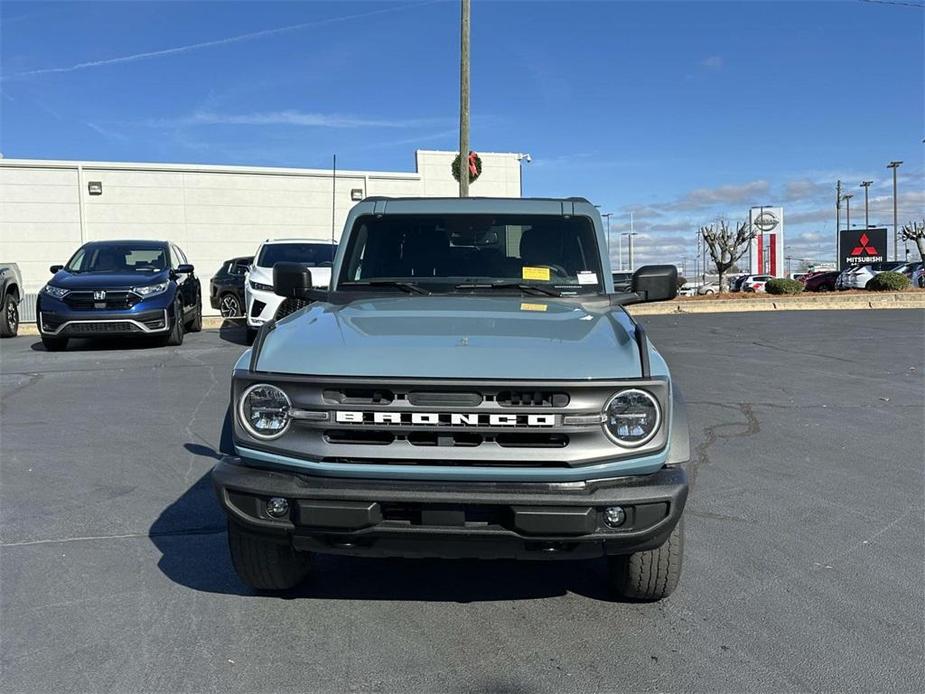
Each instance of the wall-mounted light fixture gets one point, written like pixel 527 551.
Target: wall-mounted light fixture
pixel 95 187
pixel 356 193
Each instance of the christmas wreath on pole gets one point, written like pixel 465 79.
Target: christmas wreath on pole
pixel 474 165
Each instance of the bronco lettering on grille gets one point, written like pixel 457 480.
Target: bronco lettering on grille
pixel 459 419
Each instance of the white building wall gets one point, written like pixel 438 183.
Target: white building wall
pixel 211 212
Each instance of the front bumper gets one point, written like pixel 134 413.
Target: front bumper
pixel 261 306
pixel 522 520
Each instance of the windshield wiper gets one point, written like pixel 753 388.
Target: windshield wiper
pixel 409 287
pixel 522 286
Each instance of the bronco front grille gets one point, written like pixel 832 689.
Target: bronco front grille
pixel 447 422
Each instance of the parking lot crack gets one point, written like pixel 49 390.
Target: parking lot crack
pixel 180 532
pixel 32 380
pixel 736 430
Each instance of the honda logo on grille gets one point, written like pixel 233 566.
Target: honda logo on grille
pixel 459 419
pixel 99 295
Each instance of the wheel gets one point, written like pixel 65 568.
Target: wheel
pixel 823 288
pixel 54 344
pixel 264 564
pixel 709 291
pixel 9 321
pixel 175 336
pixel 650 575
pixel 229 306
pixel 195 323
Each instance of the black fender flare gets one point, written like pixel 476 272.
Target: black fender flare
pixel 679 445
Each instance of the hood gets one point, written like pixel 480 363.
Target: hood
pixel 106 280
pixel 505 337
pixel 321 276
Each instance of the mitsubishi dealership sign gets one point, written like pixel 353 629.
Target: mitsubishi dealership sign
pixel 861 246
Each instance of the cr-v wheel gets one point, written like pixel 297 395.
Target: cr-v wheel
pixel 175 336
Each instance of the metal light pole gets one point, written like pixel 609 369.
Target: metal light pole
pixel 521 158
pixel 464 22
pixel 607 216
pixel 630 250
pixel 847 198
pixel 865 185
pixel 837 223
pixel 620 252
pixel 895 165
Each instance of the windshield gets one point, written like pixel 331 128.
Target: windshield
pixel 119 258
pixel 313 254
pixel 454 252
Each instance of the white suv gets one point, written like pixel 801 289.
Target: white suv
pixel 755 283
pixel 262 304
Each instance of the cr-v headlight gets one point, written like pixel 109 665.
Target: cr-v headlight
pixel 57 292
pixel 631 417
pixel 264 411
pixel 151 289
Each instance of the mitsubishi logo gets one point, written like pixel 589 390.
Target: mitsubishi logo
pixel 99 295
pixel 864 246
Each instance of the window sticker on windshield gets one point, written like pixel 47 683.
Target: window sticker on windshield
pixel 536 273
pixel 587 277
pixel 533 307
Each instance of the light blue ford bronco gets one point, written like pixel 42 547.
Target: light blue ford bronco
pixel 470 385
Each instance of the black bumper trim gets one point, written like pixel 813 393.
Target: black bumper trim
pixel 367 517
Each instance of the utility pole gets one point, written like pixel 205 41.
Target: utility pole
pixel 465 21
pixel 620 252
pixel 895 165
pixel 837 222
pixel 865 185
pixel 847 198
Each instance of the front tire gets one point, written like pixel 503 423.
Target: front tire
pixel 54 344
pixel 175 336
pixel 9 321
pixel 651 575
pixel 195 324
pixel 266 565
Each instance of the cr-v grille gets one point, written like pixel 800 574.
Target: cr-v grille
pixel 112 299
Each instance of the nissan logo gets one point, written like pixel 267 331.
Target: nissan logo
pixel 766 221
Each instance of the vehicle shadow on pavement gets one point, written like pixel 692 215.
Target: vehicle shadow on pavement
pixel 99 344
pixel 190 534
pixel 234 330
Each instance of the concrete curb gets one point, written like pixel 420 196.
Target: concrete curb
pixel 816 303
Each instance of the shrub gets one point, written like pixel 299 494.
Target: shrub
pixel 888 282
pixel 783 286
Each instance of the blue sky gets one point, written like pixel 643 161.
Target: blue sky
pixel 679 111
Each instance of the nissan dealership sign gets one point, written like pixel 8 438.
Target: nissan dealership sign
pixel 861 246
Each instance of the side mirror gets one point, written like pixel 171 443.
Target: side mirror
pixel 656 282
pixel 55 268
pixel 292 280
pixel 184 269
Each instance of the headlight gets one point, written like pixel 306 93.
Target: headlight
pixel 264 411
pixel 261 287
pixel 631 417
pixel 57 292
pixel 151 289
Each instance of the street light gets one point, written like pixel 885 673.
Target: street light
pixel 847 198
pixel 894 165
pixel 630 255
pixel 521 158
pixel 865 185
pixel 607 215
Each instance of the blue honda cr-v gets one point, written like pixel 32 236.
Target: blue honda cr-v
pixel 120 288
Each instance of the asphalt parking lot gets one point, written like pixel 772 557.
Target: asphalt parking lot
pixel 804 555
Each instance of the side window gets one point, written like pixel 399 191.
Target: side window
pixel 180 255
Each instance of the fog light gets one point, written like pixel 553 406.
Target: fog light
pixel 614 516
pixel 277 507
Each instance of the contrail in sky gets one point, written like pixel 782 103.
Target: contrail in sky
pixel 217 42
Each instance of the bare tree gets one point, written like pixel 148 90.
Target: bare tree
pixel 726 246
pixel 915 231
